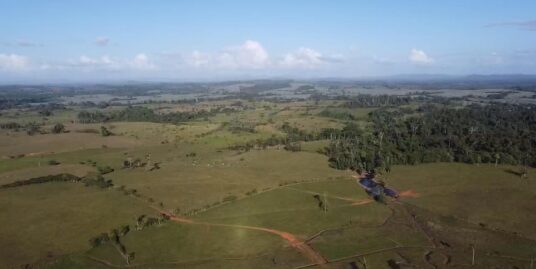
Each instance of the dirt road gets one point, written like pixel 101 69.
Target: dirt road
pixel 307 251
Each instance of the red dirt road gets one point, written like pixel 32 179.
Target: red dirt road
pixel 307 251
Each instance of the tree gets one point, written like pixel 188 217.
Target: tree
pixel 33 128
pixel 105 132
pixel 58 128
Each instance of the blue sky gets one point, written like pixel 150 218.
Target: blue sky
pixel 214 40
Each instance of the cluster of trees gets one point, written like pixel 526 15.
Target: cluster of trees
pixel 341 115
pixel 10 126
pixel 144 221
pixel 305 89
pixel 58 128
pixel 32 128
pixel 92 117
pixel 19 98
pixel 114 237
pixel 44 179
pixel 366 100
pixel 295 134
pixel 137 163
pixel 237 126
pixel 260 143
pixel 98 181
pixel 495 133
pixel 263 86
pixel 144 114
pixel 105 132
pixel 289 142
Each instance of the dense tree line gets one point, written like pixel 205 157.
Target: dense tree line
pixel 366 100
pixel 496 133
pixel 144 114
pixel 44 179
pixel 262 86
pixel 11 126
pixel 32 128
pixel 290 142
pixel 97 181
pixel 340 115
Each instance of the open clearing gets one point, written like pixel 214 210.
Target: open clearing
pixel 261 207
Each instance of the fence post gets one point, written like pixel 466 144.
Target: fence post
pixel 473 261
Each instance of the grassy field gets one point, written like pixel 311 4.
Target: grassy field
pixel 49 220
pixel 348 231
pixel 266 208
pixel 493 196
pixel 219 175
pixel 21 144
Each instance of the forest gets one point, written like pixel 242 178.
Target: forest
pixel 495 133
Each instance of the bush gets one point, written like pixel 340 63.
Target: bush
pixel 105 170
pixel 98 181
pixel 33 128
pixel 53 162
pixel 99 240
pixel 105 132
pixel 58 128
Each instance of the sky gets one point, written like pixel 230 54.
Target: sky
pixel 115 40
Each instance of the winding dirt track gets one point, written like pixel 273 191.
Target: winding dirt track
pixel 307 251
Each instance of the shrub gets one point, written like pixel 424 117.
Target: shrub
pixel 98 181
pixel 58 128
pixel 105 132
pixel 99 240
pixel 32 128
pixel 105 170
pixel 53 162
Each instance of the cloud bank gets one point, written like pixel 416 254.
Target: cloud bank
pixel 13 62
pixel 420 57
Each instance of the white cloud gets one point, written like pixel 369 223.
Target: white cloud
pixel 104 61
pixel 13 62
pixel 199 59
pixel 102 41
pixel 420 57
pixel 142 61
pixel 304 58
pixel 251 54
